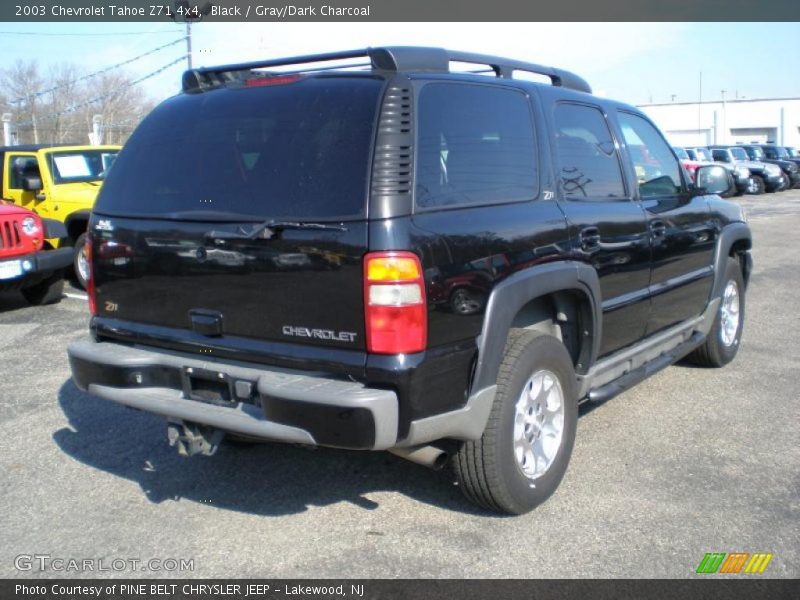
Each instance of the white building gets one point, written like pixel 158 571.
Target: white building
pixel 729 121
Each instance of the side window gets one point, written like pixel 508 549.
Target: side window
pixel 588 162
pixel 21 166
pixel 475 145
pixel 720 156
pixel 657 169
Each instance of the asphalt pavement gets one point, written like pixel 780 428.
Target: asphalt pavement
pixel 688 462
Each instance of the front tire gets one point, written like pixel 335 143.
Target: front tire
pixel 722 343
pixel 80 264
pixel 524 451
pixel 757 186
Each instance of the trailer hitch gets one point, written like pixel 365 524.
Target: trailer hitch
pixel 191 438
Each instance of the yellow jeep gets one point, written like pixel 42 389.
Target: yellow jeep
pixel 57 182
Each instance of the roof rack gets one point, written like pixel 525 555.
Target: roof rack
pixel 397 58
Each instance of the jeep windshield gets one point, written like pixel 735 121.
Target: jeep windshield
pixel 299 150
pixel 76 166
pixel 739 154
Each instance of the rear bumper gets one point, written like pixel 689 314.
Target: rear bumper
pixel 37 266
pixel 264 402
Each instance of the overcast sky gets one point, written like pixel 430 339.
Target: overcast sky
pixel 632 62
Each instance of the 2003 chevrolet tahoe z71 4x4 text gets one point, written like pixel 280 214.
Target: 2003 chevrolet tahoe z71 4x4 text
pixel 275 256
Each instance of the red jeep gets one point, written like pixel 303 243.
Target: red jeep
pixel 26 261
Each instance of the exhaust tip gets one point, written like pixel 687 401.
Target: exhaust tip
pixel 427 456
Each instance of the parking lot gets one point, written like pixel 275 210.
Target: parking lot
pixel 691 461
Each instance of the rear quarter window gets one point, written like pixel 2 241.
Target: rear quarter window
pixel 475 146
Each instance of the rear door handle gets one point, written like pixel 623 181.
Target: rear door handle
pixel 658 229
pixel 590 238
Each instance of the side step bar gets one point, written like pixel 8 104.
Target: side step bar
pixel 631 378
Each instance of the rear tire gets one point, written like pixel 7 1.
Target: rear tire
pixel 504 471
pixel 80 265
pixel 722 343
pixel 48 291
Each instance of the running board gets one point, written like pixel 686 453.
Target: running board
pixel 631 378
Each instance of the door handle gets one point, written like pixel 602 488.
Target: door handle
pixel 658 229
pixel 590 238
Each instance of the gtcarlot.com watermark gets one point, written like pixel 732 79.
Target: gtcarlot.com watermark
pixel 47 562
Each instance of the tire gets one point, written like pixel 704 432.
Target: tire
pixel 488 470
pixel 787 185
pixel 48 291
pixel 465 302
pixel 722 343
pixel 757 187
pixel 79 265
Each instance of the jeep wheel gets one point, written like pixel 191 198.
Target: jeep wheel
pixel 756 186
pixel 524 451
pixel 48 291
pixel 465 302
pixel 79 263
pixel 722 342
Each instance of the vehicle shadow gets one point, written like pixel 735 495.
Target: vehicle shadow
pixel 12 300
pixel 262 479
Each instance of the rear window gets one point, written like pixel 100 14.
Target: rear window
pixel 300 149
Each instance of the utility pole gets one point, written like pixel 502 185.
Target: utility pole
pixel 186 13
pixel 188 44
pixel 724 119
pixel 700 104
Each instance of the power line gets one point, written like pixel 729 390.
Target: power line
pixel 96 73
pixel 113 94
pixel 48 34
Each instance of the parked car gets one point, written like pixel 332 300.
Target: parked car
pixel 791 175
pixel 57 182
pixel 27 262
pixel 773 152
pixel 602 263
pixel 741 174
pixel 766 177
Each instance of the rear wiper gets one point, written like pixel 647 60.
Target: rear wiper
pixel 269 228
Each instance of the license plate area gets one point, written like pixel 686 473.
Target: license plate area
pixel 10 269
pixel 211 387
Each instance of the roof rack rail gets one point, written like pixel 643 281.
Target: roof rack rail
pixel 396 58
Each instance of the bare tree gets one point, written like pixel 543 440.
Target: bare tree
pixel 63 113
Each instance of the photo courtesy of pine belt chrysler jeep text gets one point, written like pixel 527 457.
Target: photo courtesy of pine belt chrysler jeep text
pixel 400 256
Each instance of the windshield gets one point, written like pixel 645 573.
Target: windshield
pixel 754 152
pixel 292 150
pixel 681 153
pixel 704 154
pixel 779 152
pixel 74 166
pixel 739 154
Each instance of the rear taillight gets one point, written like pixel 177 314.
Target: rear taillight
pixel 394 301
pixel 90 289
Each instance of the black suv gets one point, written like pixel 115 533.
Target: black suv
pixel 270 251
pixel 769 153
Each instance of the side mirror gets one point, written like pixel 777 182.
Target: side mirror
pixel 714 179
pixel 31 183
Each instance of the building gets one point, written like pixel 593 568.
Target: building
pixel 729 121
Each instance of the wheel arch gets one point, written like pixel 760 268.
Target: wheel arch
pixel 562 299
pixel 734 241
pixel 76 223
